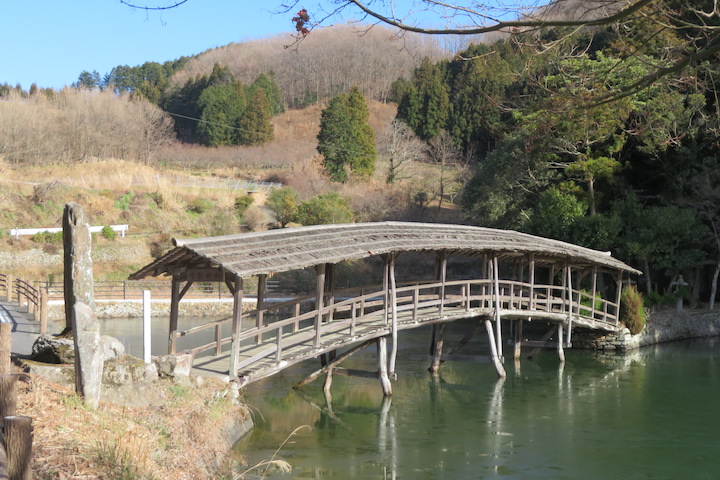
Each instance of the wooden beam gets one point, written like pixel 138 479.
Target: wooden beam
pixel 340 358
pixel 466 339
pixel 236 327
pixel 541 344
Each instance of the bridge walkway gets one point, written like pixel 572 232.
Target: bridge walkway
pixel 268 347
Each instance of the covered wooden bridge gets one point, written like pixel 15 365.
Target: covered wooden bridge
pixel 501 275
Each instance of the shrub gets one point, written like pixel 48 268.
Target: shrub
pixel 325 209
pixel 123 203
pixel 108 233
pixel 284 203
pixel 242 204
pixel 256 218
pixel 48 237
pixel 632 312
pixel 200 205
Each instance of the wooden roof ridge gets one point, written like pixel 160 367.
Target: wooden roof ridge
pixel 248 254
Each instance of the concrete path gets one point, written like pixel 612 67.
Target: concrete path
pixel 25 328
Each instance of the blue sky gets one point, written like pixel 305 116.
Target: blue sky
pixel 49 42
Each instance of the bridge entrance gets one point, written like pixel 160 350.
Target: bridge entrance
pixel 506 277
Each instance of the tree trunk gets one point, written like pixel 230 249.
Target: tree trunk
pixel 713 290
pixel 648 282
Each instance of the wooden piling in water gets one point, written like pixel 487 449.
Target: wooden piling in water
pixel 383 366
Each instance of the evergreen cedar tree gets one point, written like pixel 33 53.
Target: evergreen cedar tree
pixel 346 141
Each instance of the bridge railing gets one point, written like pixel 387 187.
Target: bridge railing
pixel 27 294
pixel 352 308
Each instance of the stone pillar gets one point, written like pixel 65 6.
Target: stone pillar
pixel 80 305
pixel 78 274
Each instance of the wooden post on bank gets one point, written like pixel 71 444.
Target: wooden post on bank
pixel 5 347
pixel 10 280
pixel 18 446
pixel 43 311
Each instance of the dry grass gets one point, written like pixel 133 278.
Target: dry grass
pixel 182 440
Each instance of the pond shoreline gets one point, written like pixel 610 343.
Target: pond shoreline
pixel 662 326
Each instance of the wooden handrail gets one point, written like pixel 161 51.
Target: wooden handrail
pixel 411 296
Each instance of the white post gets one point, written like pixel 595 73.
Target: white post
pixel 147 326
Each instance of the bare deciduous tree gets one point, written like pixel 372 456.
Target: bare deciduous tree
pixel 400 146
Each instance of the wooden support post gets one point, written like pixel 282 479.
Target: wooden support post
pixel 443 275
pixel 259 316
pixel 9 287
pixel 236 327
pixel 8 395
pixel 174 309
pixel 570 307
pixel 297 314
pixel 393 302
pixel 5 347
pixel 498 321
pixel 218 340
pixel 328 381
pixel 319 296
pixel 593 292
pixel 618 296
pixel 43 311
pixel 18 445
pixel 437 348
pixel 532 281
pixel 518 340
pixel 330 290
pixel 561 352
pixel 382 366
pixel 493 350
pixel 386 288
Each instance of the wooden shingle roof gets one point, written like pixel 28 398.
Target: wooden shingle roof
pixel 287 249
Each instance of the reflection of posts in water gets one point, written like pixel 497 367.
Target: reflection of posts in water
pixel 387 436
pixel 437 348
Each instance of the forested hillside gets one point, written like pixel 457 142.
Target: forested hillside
pixel 566 147
pixel 549 131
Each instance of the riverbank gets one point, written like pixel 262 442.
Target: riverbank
pixel 189 437
pixel 662 326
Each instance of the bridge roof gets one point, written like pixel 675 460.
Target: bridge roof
pixel 287 249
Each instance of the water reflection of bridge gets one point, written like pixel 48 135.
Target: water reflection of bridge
pixel 494 275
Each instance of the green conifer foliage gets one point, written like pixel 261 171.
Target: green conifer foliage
pixel 222 105
pixel 346 140
pixel 426 107
pixel 272 92
pixel 254 126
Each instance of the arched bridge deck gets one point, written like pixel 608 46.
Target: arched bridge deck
pixel 512 276
pixel 365 314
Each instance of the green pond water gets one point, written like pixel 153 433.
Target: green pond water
pixel 649 414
